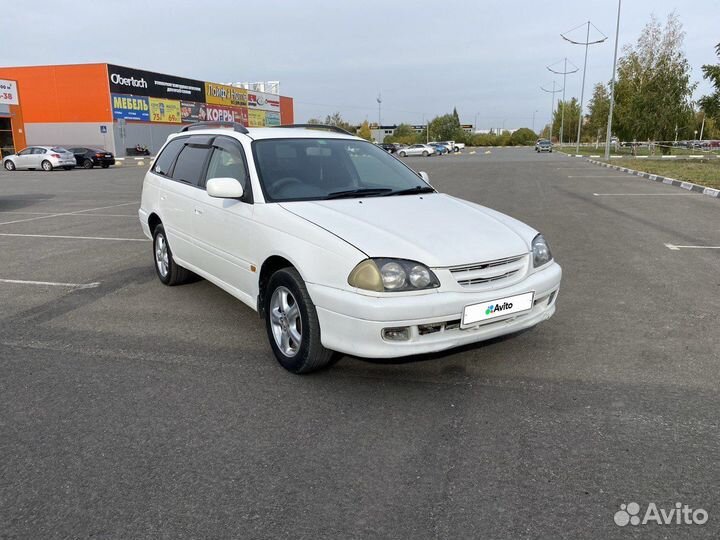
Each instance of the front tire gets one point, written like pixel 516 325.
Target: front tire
pixel 168 271
pixel 46 166
pixel 9 165
pixel 292 324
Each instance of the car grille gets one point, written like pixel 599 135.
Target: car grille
pixel 491 273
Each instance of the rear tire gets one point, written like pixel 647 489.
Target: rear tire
pixel 168 271
pixel 46 166
pixel 402 154
pixel 88 164
pixel 9 165
pixel 425 153
pixel 105 165
pixel 292 324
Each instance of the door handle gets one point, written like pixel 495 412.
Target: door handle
pixel 163 197
pixel 198 211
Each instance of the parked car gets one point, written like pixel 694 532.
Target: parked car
pixel 440 149
pixel 46 158
pixel 446 144
pixel 88 157
pixel 543 145
pixel 459 146
pixel 390 147
pixel 339 246
pixel 416 150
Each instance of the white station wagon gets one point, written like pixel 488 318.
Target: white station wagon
pixel 340 246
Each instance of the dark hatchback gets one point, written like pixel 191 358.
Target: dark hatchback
pixel 88 158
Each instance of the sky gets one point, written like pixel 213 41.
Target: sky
pixel 487 58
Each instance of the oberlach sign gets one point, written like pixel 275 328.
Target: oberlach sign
pixel 138 82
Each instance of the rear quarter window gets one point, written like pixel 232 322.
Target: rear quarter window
pixel 165 160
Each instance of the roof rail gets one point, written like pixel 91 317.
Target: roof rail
pixel 209 125
pixel 326 127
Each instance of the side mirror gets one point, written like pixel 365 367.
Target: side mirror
pixel 224 188
pixel 424 176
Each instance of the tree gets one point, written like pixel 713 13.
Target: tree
pixel 335 119
pixel 365 132
pixel 523 136
pixel 445 128
pixel 599 108
pixel 572 114
pixel 456 115
pixel 653 91
pixel 710 104
pixel 404 134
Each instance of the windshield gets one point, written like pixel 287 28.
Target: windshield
pixel 317 169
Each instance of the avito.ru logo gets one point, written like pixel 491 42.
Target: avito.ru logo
pixel 629 514
pixel 494 308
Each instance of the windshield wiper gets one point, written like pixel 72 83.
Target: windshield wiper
pixel 411 191
pixel 362 192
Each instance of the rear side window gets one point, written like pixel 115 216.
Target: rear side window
pixel 190 164
pixel 167 157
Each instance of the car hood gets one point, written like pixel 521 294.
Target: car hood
pixel 435 229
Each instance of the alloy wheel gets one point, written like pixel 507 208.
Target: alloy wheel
pixel 285 321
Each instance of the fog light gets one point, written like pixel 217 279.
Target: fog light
pixel 401 333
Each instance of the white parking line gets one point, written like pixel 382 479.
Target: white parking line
pixel 52 283
pixel 60 215
pixel 678 248
pixel 641 194
pixel 65 213
pixel 77 237
pixel 599 176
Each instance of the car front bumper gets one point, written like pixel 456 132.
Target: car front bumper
pixel 352 323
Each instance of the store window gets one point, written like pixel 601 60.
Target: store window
pixel 7 145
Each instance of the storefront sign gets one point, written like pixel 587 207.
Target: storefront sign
pixel 165 110
pixel 256 118
pixel 8 93
pixel 218 113
pixel 272 118
pixel 138 82
pixel 192 111
pixel 222 94
pixel 241 115
pixel 263 101
pixel 130 107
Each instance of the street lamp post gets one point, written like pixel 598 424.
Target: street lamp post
pixel 564 73
pixel 612 88
pixel 552 103
pixel 587 44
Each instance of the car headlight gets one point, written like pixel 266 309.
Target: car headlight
pixel 541 251
pixel 390 275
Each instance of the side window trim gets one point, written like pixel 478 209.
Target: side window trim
pixel 203 170
pixel 168 174
pixel 223 142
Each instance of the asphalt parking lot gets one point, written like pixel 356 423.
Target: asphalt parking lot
pixel 131 410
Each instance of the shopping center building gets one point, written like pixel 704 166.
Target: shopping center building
pixel 117 108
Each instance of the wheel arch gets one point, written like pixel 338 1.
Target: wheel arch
pixel 270 265
pixel 153 221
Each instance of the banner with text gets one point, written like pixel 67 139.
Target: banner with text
pixel 256 118
pixel 263 101
pixel 9 93
pixel 138 82
pixel 165 110
pixel 130 107
pixel 272 118
pixel 222 94
pixel 192 111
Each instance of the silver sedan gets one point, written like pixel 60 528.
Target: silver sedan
pixel 416 150
pixel 46 158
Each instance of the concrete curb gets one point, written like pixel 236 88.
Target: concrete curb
pixel 129 161
pixel 710 192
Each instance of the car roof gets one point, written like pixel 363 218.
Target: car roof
pixel 274 133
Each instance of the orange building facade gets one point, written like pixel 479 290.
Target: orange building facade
pixel 116 107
